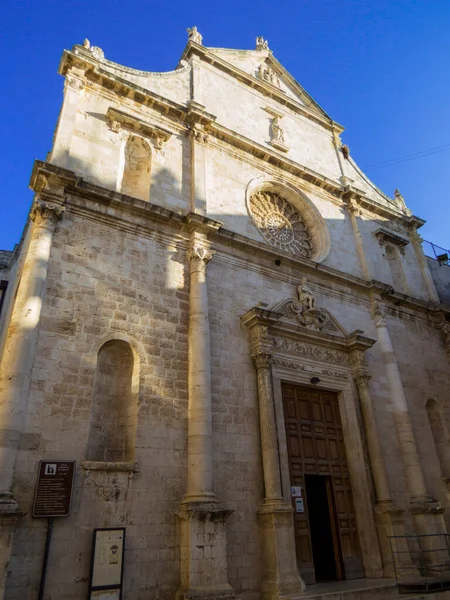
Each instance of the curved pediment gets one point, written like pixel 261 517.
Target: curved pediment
pixel 305 313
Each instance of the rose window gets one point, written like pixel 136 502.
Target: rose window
pixel 280 223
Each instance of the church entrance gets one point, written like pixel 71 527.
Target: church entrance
pixel 326 534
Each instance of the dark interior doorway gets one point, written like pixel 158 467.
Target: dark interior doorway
pixel 323 528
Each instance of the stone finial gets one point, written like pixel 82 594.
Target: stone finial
pixel 261 43
pixel 398 197
pixel 194 35
pixel 87 44
pixel 345 150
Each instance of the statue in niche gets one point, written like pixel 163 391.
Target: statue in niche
pixel 305 295
pixel 277 131
pixel 194 35
pixel 269 75
pixel 261 43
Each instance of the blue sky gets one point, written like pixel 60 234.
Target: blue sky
pixel 378 67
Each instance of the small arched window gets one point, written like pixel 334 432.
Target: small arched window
pixel 137 165
pixel 440 434
pixel 114 408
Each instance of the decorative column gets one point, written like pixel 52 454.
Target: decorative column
pixel 17 362
pixel 389 517
pixel 416 241
pixel 426 512
pixel 279 565
pixel 203 548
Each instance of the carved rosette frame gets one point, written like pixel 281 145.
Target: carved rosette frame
pixel 296 351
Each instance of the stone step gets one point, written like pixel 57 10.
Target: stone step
pixel 356 589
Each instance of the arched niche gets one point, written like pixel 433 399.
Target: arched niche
pixel 287 219
pixel 396 267
pixel 114 407
pixel 136 168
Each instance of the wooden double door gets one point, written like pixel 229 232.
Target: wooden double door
pixel 326 533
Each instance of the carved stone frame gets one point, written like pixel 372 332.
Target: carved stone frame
pixel 298 354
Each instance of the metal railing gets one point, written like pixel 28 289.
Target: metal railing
pixel 421 562
pixel 437 252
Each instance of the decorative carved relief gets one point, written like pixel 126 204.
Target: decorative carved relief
pixel 44 213
pixel 295 366
pixel 378 311
pixel 200 253
pixel 200 136
pixel 305 312
pixel 262 360
pixel 266 73
pixel 314 352
pixel 74 83
pixel 280 223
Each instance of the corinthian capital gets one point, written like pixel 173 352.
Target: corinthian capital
pixel 262 359
pixel 45 213
pixel 201 253
pixel 378 311
pixel 358 366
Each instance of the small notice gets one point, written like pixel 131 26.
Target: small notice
pixel 53 495
pixel 299 506
pixel 296 491
pixel 107 564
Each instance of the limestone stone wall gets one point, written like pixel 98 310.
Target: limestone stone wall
pixel 119 278
pixel 107 284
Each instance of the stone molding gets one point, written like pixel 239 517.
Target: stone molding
pixel 388 237
pixel 118 120
pixel 136 216
pixel 95 465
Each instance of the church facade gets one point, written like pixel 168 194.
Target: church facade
pixel 232 331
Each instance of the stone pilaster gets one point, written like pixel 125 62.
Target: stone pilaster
pixel 17 363
pixel 354 211
pixel 203 554
pixel 389 518
pixel 18 354
pixel 416 241
pixel 426 512
pixel 199 486
pixel 280 573
pixel 73 87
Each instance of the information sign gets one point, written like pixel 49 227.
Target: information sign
pixel 107 564
pixel 54 488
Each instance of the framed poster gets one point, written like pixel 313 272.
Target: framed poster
pixel 107 564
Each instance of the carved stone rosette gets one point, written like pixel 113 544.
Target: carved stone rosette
pixel 280 223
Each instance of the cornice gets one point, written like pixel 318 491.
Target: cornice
pixel 194 113
pixel 137 215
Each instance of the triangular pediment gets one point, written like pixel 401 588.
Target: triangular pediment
pixel 265 67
